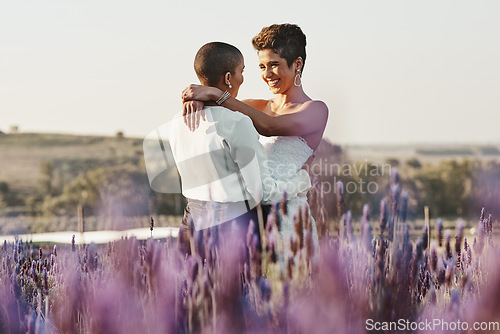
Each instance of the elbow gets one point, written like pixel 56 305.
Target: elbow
pixel 273 126
pixel 266 130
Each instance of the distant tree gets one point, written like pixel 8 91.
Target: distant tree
pixel 4 195
pixel 33 204
pixel 327 151
pixel 414 163
pixel 446 187
pixel 169 204
pixel 8 197
pixel 111 191
pixel 46 170
pixel 485 189
pixel 393 162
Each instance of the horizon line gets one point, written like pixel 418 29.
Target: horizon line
pixel 329 140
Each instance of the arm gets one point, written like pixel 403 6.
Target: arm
pixel 248 154
pixel 310 118
pixel 294 124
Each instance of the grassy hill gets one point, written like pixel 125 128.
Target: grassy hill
pixel 425 153
pixel 24 156
pixel 21 155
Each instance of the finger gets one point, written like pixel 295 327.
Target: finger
pixel 200 108
pixel 189 118
pixel 187 95
pixel 184 114
pixel 197 119
pixel 192 120
pixel 199 105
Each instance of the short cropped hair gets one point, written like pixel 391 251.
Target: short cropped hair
pixel 286 39
pixel 213 60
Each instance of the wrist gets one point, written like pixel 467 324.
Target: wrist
pixel 215 93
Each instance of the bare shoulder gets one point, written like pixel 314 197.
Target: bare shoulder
pixel 259 104
pixel 314 108
pixel 316 105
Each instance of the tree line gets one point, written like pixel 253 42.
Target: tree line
pixel 451 188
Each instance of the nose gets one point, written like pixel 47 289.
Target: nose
pixel 267 72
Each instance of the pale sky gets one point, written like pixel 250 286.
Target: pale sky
pixel 390 71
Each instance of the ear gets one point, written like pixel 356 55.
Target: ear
pixel 227 78
pixel 299 63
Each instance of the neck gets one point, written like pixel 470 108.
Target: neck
pixel 292 95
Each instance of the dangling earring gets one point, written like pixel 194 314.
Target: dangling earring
pixel 298 79
pixel 228 77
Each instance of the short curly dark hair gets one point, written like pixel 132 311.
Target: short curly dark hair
pixel 285 39
pixel 213 60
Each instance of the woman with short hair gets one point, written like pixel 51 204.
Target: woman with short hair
pixel 292 122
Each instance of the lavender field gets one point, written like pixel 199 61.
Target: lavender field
pixel 395 119
pixel 379 280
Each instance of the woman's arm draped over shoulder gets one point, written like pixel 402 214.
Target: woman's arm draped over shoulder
pixel 311 117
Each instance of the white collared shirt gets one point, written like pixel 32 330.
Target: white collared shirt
pixel 221 161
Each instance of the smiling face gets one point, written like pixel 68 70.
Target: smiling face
pixel 275 71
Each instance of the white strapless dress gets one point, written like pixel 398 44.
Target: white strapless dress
pixel 286 155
